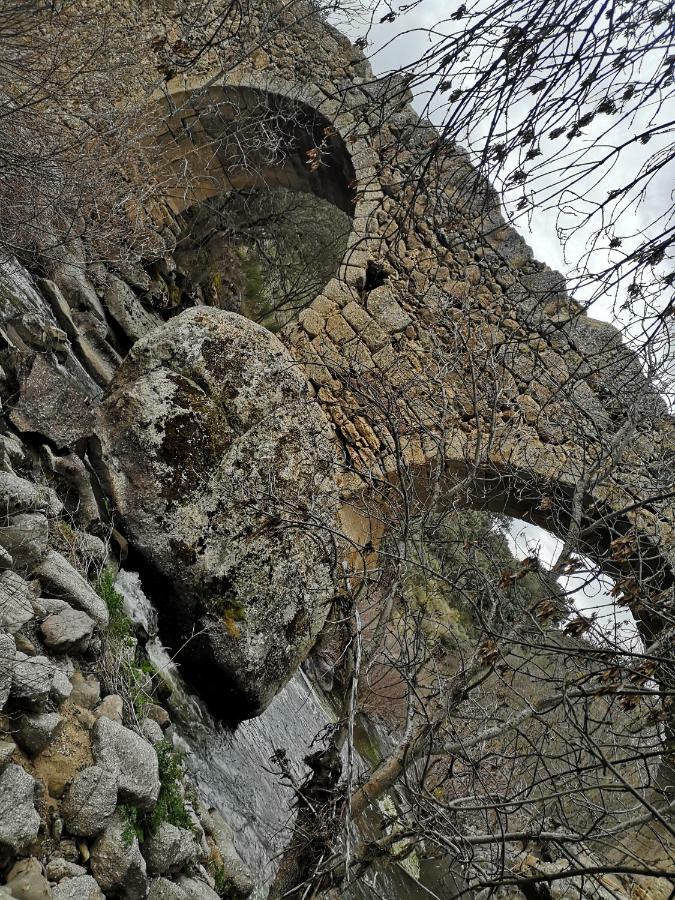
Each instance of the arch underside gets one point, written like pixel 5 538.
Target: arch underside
pixel 238 138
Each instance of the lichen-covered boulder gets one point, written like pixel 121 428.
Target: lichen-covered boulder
pixel 221 465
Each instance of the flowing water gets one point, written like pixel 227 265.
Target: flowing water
pixel 234 771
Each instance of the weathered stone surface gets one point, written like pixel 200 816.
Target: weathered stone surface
pixel 57 574
pixel 36 731
pixel 25 537
pixel 52 403
pixel 385 309
pixel 237 878
pixel 128 311
pixel 111 707
pixel 61 687
pixel 16 607
pixel 7 748
pixel 18 495
pixel 32 679
pixel 118 749
pixel 83 887
pixel 169 850
pixel 26 880
pixel 209 442
pixel 196 889
pixel 19 821
pixel 67 631
pixel 7 657
pixel 90 802
pixel 163 889
pixel 58 868
pixel 152 731
pixel 86 690
pixel 117 865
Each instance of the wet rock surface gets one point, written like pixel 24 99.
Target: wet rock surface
pixel 213 451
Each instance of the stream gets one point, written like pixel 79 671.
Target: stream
pixel 234 771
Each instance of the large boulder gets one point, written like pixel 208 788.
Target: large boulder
pixel 169 849
pixel 132 760
pixel 222 467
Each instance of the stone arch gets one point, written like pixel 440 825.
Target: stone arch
pixel 196 111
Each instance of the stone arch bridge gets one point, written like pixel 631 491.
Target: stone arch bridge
pixel 441 356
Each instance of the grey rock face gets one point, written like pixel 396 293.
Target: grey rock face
pixel 163 889
pixel 18 495
pixel 52 403
pixel 90 802
pixel 211 447
pixel 6 750
pixel 152 731
pixel 25 538
pixel 61 687
pixel 236 876
pixel 127 310
pixel 36 731
pixel 57 574
pixel 15 601
pixel 7 656
pixel 197 889
pixel 117 865
pixel 86 690
pixel 67 631
pixel 170 849
pixel 118 749
pixel 32 680
pixel 19 821
pixel 26 881
pixel 57 869
pixel 83 887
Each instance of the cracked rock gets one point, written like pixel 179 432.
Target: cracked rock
pixel 118 749
pixel 67 631
pixel 169 850
pixel 57 574
pixel 90 802
pixel 117 865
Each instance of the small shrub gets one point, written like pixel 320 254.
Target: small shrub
pixel 221 884
pixel 170 804
pixel 119 626
pixel 133 827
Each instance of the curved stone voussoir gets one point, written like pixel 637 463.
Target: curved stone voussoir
pixel 221 465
